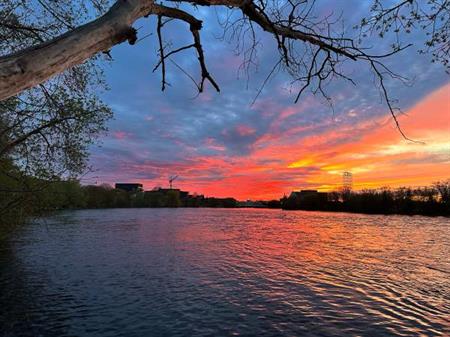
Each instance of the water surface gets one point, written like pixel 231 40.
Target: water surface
pixel 226 272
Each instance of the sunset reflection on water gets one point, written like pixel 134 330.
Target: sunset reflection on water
pixel 231 272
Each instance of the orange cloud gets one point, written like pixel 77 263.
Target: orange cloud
pixel 373 151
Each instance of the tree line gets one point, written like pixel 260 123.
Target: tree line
pixel 44 197
pixel 429 200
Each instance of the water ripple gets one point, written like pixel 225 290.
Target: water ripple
pixel 217 272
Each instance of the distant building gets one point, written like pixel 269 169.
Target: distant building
pixel 305 195
pixel 306 199
pixel 129 187
pixel 162 197
pixel 183 195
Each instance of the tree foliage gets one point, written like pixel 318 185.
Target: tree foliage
pixel 430 16
pixel 46 131
pixel 429 200
pixel 51 54
pixel 312 46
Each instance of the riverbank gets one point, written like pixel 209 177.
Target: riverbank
pixel 61 195
pixel 442 213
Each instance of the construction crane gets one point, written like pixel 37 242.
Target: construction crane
pixel 171 179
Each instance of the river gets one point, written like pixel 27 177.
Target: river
pixel 226 272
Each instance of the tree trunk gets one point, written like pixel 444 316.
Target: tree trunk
pixel 34 65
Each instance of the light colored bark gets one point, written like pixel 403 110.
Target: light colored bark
pixel 34 65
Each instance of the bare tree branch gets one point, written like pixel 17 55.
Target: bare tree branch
pixel 310 48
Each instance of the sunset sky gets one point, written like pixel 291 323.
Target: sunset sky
pixel 221 145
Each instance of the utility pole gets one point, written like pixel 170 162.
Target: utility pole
pixel 347 181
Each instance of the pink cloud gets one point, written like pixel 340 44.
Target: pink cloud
pixel 213 145
pixel 245 130
pixel 121 135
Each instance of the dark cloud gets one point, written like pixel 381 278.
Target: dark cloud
pixel 155 133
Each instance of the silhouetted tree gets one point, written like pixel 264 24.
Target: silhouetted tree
pixel 443 188
pixel 51 54
pixel 432 200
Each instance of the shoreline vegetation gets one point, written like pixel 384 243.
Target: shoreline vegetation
pixel 53 78
pixel 70 194
pixel 430 201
